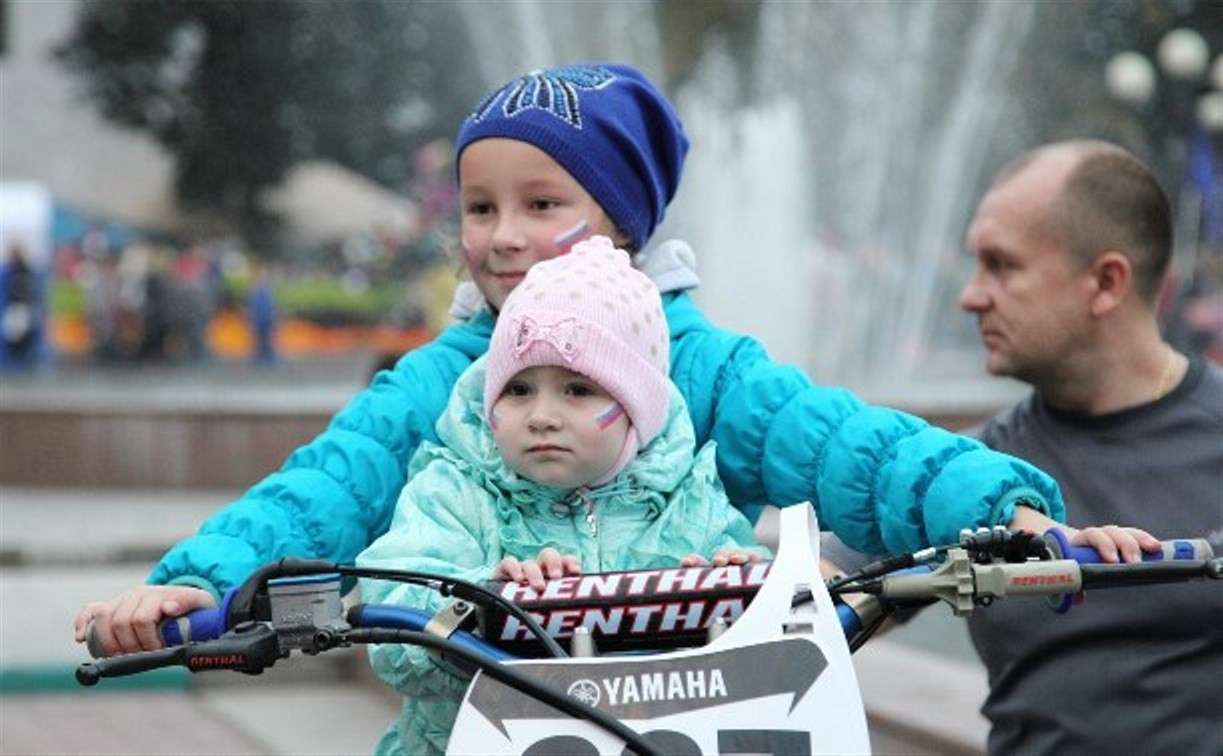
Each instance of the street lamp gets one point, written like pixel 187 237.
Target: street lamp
pixel 1182 54
pixel 1209 112
pixel 1191 96
pixel 1190 103
pixel 1183 57
pixel 1130 78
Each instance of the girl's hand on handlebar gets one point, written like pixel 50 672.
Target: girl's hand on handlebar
pixel 1115 543
pixel 549 565
pixel 130 621
pixel 721 559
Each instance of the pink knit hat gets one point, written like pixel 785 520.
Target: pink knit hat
pixel 591 312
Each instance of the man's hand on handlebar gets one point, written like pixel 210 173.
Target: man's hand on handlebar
pixel 1115 543
pixel 129 622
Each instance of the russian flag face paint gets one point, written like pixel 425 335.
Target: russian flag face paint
pixel 566 239
pixel 609 415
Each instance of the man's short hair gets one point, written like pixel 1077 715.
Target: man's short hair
pixel 1111 201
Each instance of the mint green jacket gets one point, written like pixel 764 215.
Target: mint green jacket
pixel 463 510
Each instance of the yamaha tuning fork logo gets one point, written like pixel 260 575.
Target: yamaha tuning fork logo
pixel 586 691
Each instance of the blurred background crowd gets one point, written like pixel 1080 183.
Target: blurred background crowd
pixel 114 294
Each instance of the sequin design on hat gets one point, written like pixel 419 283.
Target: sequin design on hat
pixel 554 91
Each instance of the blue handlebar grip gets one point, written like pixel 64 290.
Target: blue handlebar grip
pixel 199 625
pixel 851 623
pixel 177 631
pixel 1180 549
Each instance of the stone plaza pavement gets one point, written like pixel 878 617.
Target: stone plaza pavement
pixel 62 547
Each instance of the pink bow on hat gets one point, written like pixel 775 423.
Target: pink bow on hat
pixel 563 335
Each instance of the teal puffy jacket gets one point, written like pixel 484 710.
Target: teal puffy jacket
pixel 882 480
pixel 463 509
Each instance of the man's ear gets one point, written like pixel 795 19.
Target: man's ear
pixel 1112 278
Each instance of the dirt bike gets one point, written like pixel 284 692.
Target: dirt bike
pixel 700 660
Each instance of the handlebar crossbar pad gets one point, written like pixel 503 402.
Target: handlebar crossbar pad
pixel 630 610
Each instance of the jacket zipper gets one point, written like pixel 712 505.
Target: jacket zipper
pixel 591 521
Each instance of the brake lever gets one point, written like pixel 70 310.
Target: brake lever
pixel 251 647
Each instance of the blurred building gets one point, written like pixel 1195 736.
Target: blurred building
pixel 49 135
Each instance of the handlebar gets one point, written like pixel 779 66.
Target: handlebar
pixel 670 608
pixel 990 564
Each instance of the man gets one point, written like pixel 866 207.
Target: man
pixel 1071 245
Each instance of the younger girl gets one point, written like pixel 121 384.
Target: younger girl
pixel 565 449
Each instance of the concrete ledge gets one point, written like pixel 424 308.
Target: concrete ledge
pixel 111 446
pixel 214 426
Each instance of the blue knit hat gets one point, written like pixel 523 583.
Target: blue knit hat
pixel 606 124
